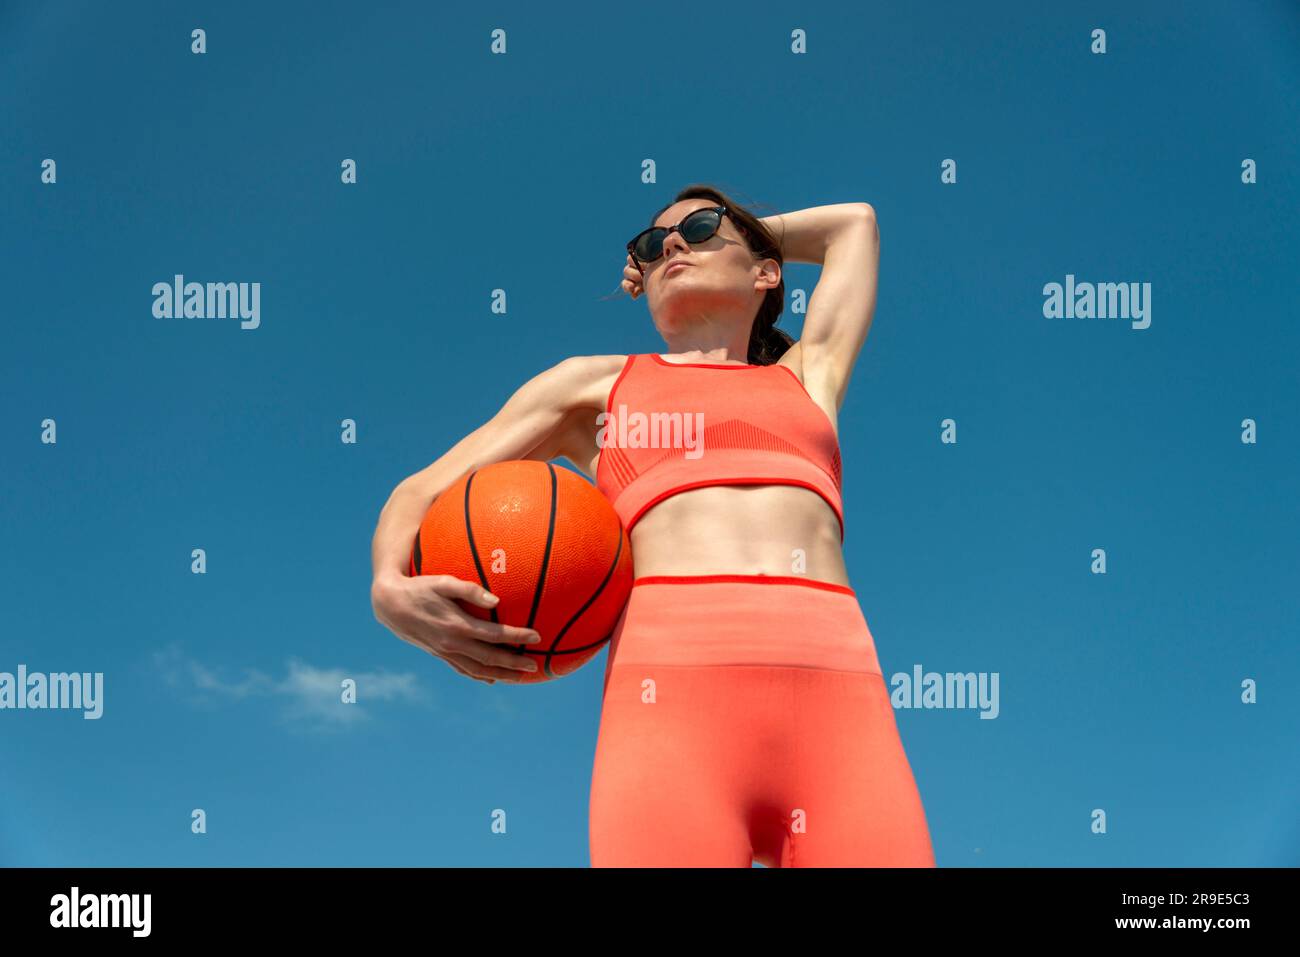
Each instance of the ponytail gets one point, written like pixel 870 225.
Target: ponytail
pixel 767 343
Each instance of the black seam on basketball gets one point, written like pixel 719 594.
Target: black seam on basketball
pixel 473 548
pixel 574 651
pixel 416 558
pixel 542 653
pixel 546 554
pixel 599 588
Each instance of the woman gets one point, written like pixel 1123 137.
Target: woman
pixel 745 716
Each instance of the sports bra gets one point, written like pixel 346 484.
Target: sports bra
pixel 673 426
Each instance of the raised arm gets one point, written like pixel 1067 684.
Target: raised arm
pixel 844 239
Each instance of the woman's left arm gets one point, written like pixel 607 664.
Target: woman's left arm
pixel 843 239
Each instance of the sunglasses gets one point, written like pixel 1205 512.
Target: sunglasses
pixel 699 226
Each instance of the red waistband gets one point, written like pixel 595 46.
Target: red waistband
pixel 742 579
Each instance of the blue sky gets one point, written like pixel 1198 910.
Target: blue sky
pixel 522 172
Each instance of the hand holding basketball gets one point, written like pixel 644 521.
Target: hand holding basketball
pixel 547 544
pixel 423 611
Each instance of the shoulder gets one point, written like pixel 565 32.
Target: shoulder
pixel 582 381
pixel 580 366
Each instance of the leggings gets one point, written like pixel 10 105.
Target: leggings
pixel 745 718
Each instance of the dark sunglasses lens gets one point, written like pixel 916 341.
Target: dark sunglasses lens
pixel 649 246
pixel 696 228
pixel 700 225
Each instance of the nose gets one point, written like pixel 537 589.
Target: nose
pixel 674 241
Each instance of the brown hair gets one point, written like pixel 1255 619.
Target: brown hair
pixel 767 343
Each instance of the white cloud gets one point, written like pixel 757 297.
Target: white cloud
pixel 307 692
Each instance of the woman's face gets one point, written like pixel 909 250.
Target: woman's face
pixel 716 275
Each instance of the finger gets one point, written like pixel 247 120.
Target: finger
pixel 455 662
pixel 449 586
pixel 465 670
pixel 481 671
pixel 497 633
pixel 490 657
pixel 461 669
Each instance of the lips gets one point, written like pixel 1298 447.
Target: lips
pixel 670 269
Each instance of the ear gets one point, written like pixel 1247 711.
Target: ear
pixel 768 275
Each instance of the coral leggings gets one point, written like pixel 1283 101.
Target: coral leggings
pixel 745 718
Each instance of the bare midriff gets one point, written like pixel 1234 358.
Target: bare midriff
pixel 742 530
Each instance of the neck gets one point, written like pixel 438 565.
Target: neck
pixel 703 344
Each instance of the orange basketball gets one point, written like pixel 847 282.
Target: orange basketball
pixel 547 543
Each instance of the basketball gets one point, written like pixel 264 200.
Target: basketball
pixel 543 540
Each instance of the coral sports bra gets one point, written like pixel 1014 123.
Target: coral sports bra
pixel 673 426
